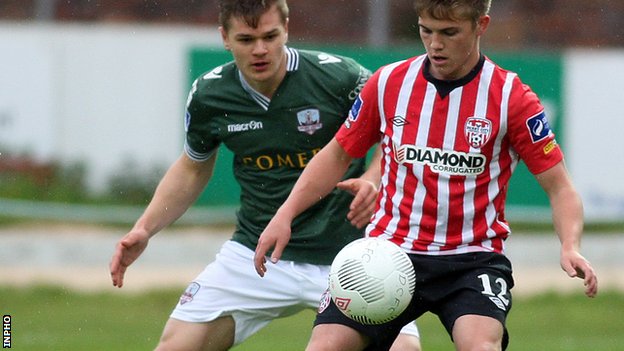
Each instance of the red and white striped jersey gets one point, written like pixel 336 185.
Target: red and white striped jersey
pixel 448 154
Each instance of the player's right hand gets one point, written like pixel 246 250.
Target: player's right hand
pixel 275 236
pixel 127 250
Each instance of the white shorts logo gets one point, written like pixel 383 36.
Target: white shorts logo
pixel 325 300
pixel 189 293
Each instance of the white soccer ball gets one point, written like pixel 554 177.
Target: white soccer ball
pixel 372 280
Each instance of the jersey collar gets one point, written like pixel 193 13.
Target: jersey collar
pixel 292 64
pixel 445 87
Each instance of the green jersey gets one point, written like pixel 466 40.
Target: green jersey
pixel 272 141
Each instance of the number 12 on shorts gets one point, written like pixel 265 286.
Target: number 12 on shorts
pixel 498 299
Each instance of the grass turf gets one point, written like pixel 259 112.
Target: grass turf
pixel 52 318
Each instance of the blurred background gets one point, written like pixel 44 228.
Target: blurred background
pixel 92 94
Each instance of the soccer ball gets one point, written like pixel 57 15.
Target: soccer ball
pixel 371 280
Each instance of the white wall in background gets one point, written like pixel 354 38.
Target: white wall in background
pixel 99 94
pixel 594 97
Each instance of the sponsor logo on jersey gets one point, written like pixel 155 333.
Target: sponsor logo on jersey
pixel 359 85
pixel 214 74
pixel 189 293
pixel 538 127
pixel 550 146
pixel 271 161
pixel 325 59
pixel 477 131
pixel 243 127
pixel 441 161
pixel 309 120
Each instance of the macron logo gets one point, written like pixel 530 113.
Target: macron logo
pixel 214 74
pixel 243 127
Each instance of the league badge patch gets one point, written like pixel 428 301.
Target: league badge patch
pixel 538 127
pixel 477 131
pixel 355 109
pixel 309 120
pixel 189 293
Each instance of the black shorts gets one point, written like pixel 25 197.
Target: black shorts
pixel 449 286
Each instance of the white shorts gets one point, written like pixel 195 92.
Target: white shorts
pixel 230 286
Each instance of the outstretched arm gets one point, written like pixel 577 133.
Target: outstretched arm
pixel 567 213
pixel 364 190
pixel 316 181
pixel 176 192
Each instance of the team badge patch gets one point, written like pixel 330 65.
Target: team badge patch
pixel 325 300
pixel 477 131
pixel 189 293
pixel 538 127
pixel 309 121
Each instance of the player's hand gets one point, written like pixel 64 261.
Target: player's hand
pixel 275 236
pixel 576 266
pixel 127 250
pixel 363 204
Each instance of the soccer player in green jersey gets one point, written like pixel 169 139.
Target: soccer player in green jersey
pixel 274 107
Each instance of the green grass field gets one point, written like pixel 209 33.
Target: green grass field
pixel 47 318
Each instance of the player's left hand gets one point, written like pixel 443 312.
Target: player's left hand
pixel 275 236
pixel 575 265
pixel 363 204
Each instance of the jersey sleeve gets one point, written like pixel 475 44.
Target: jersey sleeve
pixel 353 77
pixel 529 131
pixel 199 144
pixel 361 129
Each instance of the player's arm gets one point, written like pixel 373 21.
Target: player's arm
pixel 365 190
pixel 567 214
pixel 317 180
pixel 176 192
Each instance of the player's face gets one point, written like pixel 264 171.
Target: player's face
pixel 452 45
pixel 259 52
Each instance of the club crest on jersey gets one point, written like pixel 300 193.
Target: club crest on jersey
pixel 538 127
pixel 309 120
pixel 477 131
pixel 189 293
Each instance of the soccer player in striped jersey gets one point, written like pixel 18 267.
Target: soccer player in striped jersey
pixel 453 126
pixel 274 107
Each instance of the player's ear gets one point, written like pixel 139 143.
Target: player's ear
pixel 286 30
pixel 224 38
pixel 482 24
